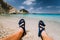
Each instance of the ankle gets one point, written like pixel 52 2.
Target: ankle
pixel 21 29
pixel 43 33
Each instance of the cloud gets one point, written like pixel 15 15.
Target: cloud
pixel 59 11
pixel 57 6
pixel 21 7
pixel 28 2
pixel 49 6
pixel 31 9
pixel 40 8
pixel 35 10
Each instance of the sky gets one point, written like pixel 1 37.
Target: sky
pixel 36 6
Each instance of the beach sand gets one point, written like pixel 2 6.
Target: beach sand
pixel 9 25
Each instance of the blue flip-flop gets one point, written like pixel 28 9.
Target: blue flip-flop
pixel 22 25
pixel 41 27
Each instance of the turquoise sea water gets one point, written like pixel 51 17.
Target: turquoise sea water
pixel 52 17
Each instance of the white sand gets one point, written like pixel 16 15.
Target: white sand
pixel 9 25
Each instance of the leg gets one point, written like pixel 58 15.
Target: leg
pixel 42 32
pixel 19 34
pixel 45 36
pixel 15 36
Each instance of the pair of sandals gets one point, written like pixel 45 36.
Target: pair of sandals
pixel 41 26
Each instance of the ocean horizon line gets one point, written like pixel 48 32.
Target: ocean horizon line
pixel 36 13
pixel 44 13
